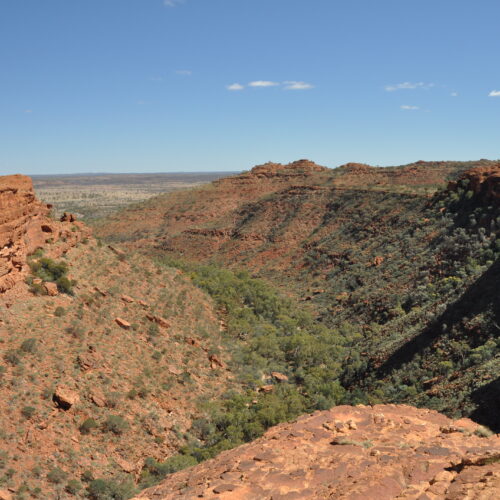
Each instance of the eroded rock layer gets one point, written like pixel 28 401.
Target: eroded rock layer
pixel 25 226
pixel 357 453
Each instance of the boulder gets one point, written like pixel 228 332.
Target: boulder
pixel 51 289
pixel 65 398
pixel 280 377
pixel 123 323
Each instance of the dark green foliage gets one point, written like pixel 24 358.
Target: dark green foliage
pixel 60 311
pixel 51 271
pixel 28 411
pixel 73 486
pixel 277 336
pixel 101 489
pixel 115 424
pixel 88 426
pixel 56 476
pixel 12 356
pixel 29 346
pixel 154 471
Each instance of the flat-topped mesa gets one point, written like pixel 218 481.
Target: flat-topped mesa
pixel 484 182
pixel 25 226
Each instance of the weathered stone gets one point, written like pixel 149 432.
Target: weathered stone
pixel 51 289
pixel 65 398
pixel 123 323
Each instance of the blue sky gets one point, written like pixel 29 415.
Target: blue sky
pixel 193 85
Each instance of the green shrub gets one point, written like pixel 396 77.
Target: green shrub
pixel 154 471
pixel 60 311
pixel 73 486
pixel 101 489
pixel 56 475
pixel 29 346
pixel 12 357
pixel 51 271
pixel 28 411
pixel 88 426
pixel 115 424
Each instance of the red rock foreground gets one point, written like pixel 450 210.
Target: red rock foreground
pixel 357 453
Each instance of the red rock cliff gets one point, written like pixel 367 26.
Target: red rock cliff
pixel 25 226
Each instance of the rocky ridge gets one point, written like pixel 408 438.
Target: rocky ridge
pixel 357 453
pixel 25 226
pixel 484 182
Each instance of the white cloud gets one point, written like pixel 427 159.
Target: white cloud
pixel 494 93
pixel 454 94
pixel 409 86
pixel 407 107
pixel 292 85
pixel 185 72
pixel 28 111
pixel 172 3
pixel 263 83
pixel 235 87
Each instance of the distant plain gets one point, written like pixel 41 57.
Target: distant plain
pixel 92 196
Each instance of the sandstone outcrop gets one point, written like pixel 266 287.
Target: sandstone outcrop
pixel 25 226
pixel 484 182
pixel 357 453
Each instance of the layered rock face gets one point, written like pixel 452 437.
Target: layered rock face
pixel 485 182
pixel 357 453
pixel 25 226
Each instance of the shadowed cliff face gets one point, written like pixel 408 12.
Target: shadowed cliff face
pixel 369 453
pixel 25 226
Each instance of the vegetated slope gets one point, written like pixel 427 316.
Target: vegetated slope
pixel 381 452
pixel 373 249
pixel 103 359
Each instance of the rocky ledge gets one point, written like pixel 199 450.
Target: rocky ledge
pixel 484 182
pixel 25 226
pixel 357 453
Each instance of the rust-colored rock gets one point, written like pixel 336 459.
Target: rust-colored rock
pixel 51 289
pixel 6 495
pixel 128 299
pixel 215 362
pixel 484 182
pixel 280 377
pixel 364 453
pixel 158 320
pixel 65 398
pixel 67 217
pixel 123 323
pixel 25 226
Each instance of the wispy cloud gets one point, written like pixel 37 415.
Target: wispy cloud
pixel 407 107
pixel 28 111
pixel 263 83
pixel 409 86
pixel 292 85
pixel 286 85
pixel 184 72
pixel 235 87
pixel 172 3
pixel 454 94
pixel 494 93
pixel 157 78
